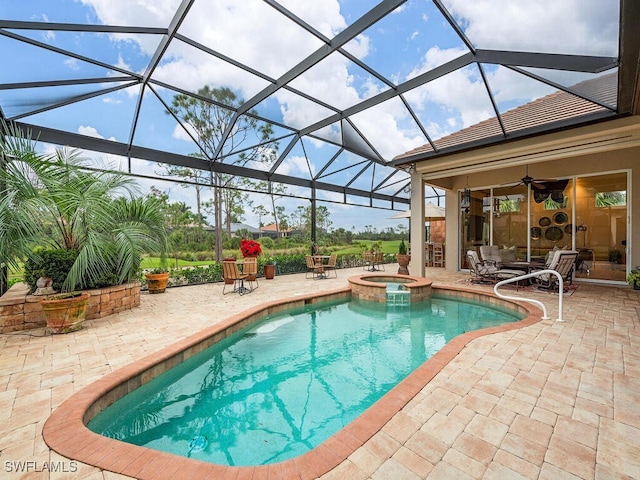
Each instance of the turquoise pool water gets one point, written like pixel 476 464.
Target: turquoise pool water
pixel 394 285
pixel 282 386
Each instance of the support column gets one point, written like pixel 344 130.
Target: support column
pixel 418 234
pixel 313 219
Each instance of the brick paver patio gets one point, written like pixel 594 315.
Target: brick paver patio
pixel 549 401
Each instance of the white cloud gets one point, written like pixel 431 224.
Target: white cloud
pixel 568 26
pixel 111 100
pixel 461 93
pixel 508 85
pixel 295 166
pixel 91 132
pixel 180 133
pixel 72 63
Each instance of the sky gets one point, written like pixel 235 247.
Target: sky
pixel 412 40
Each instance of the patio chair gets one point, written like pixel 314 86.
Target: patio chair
pixel 491 254
pixel 378 261
pixel 487 272
pixel 438 255
pixel 563 262
pixel 481 272
pixel 332 264
pixel 316 269
pixel 250 267
pixel 230 271
pixel 428 254
pixel 367 261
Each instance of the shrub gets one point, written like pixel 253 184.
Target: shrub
pixel 402 248
pixel 267 242
pixel 54 264
pixel 204 255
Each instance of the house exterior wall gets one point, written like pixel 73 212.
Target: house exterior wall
pixel 596 149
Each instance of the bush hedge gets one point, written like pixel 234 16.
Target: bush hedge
pixel 285 264
pixel 56 265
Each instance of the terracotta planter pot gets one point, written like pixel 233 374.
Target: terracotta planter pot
pixel 269 271
pixel 157 282
pixel 65 312
pixel 403 263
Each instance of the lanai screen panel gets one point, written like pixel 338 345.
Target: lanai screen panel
pixel 342 84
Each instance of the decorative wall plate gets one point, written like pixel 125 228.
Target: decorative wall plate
pixel 553 234
pixel 536 233
pixel 560 218
pixel 544 222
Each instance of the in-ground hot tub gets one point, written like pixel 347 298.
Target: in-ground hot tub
pixel 374 287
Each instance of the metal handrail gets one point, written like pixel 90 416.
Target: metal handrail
pixel 531 300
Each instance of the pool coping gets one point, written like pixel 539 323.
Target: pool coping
pixel 65 430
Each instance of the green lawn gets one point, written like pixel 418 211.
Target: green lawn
pixel 389 246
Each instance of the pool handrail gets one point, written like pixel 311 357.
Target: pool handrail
pixel 531 300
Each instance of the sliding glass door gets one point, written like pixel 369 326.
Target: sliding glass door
pixel 584 213
pixel 601 226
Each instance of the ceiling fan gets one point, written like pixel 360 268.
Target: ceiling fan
pixel 537 183
pixel 543 188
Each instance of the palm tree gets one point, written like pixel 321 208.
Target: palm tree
pixel 54 201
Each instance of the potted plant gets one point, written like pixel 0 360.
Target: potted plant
pixel 633 279
pixel 250 248
pixel 65 312
pixel 269 268
pixel 157 280
pixel 53 201
pixel 403 258
pixel 615 256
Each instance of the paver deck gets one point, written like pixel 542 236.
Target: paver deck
pixel 549 401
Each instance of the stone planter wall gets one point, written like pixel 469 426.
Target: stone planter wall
pixel 19 311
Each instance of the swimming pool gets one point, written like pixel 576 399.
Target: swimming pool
pixel 65 431
pixel 280 387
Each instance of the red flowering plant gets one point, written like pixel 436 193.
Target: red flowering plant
pixel 250 248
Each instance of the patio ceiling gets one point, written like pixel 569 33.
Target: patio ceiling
pixel 345 86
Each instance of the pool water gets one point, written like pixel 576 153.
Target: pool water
pixel 282 386
pixel 392 284
pixel 396 287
